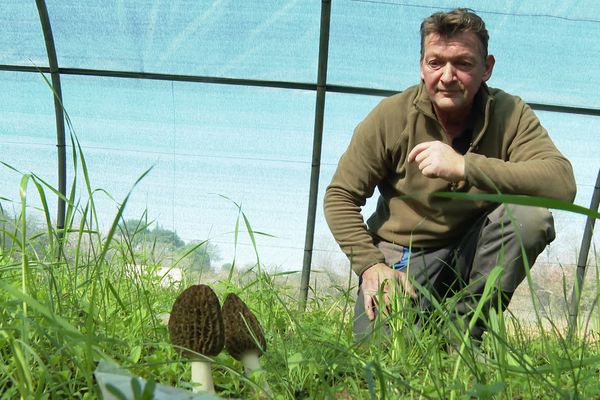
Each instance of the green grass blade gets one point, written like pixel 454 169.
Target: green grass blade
pixel 533 201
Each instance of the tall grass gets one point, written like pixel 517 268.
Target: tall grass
pixel 74 297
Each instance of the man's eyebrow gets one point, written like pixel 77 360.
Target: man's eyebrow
pixel 462 55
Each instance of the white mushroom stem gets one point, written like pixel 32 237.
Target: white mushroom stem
pixel 252 365
pixel 164 318
pixel 250 361
pixel 202 377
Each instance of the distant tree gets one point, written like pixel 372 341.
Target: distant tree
pixel 159 245
pixel 202 255
pixel 226 267
pixel 166 236
pixel 136 230
pixel 139 232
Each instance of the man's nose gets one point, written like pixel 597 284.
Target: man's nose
pixel 448 73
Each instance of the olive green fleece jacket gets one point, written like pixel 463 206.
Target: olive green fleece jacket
pixel 510 152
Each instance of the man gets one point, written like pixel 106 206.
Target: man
pixel 449 133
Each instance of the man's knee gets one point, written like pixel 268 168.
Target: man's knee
pixel 537 226
pixel 511 229
pixel 534 226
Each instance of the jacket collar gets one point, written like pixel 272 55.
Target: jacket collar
pixel 482 105
pixel 484 102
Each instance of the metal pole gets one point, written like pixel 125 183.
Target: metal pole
pixel 316 157
pixel 59 116
pixel 360 90
pixel 582 259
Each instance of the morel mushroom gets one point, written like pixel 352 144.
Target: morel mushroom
pixel 196 326
pixel 244 338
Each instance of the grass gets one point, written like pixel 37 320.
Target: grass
pixel 75 297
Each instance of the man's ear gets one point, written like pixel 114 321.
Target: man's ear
pixel 421 68
pixel 489 67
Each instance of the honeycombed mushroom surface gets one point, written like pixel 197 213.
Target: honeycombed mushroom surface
pixel 237 317
pixel 196 322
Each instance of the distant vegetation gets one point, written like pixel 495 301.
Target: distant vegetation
pixel 157 245
pixel 150 243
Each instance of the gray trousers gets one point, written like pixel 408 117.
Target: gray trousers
pixel 497 238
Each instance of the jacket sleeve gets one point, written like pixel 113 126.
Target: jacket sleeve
pixel 531 166
pixel 359 170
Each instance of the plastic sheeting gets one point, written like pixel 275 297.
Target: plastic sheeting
pixel 253 145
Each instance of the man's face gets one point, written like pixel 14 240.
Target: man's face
pixel 453 69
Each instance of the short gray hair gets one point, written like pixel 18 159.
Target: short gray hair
pixel 448 24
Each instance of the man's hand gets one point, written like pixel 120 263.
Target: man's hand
pixel 438 160
pixel 382 276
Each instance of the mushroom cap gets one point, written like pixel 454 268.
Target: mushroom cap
pixel 237 318
pixel 196 322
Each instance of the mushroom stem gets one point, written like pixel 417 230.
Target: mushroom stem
pixel 202 377
pixel 252 366
pixel 250 361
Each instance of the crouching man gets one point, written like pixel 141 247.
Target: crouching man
pixel 451 132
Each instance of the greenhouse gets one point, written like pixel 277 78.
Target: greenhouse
pixel 149 147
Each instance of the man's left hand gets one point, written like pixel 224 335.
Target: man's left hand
pixel 438 160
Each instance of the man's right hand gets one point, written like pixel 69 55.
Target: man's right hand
pixel 382 276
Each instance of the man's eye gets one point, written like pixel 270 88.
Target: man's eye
pixel 465 65
pixel 434 64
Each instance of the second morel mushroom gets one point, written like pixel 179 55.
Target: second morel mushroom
pixel 244 338
pixel 196 326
